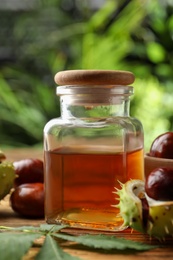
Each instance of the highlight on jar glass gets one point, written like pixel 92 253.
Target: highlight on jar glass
pixel 90 149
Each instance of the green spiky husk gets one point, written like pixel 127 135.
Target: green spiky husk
pixel 7 176
pixel 130 205
pixel 159 223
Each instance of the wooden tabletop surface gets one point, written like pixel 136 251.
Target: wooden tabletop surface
pixel 9 218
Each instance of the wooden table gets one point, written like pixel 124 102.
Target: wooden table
pixel 9 218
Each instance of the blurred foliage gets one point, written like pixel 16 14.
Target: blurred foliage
pixel 54 35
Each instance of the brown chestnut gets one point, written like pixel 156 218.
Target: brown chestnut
pixel 159 184
pixel 28 171
pixel 2 156
pixel 28 200
pixel 162 146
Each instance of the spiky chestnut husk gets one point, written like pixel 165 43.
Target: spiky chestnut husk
pixel 7 176
pixel 160 223
pixel 159 220
pixel 130 203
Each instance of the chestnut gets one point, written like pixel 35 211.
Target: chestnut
pixel 28 171
pixel 162 146
pixel 159 184
pixel 2 156
pixel 28 200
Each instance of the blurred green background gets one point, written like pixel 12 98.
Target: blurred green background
pixel 40 37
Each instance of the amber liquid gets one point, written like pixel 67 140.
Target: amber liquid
pixel 80 187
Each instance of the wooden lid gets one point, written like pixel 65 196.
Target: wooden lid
pixel 94 77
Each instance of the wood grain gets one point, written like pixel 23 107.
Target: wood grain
pixel 94 77
pixel 9 218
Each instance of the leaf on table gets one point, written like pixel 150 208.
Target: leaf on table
pixel 51 227
pixel 15 246
pixel 51 250
pixel 45 228
pixel 22 228
pixel 106 242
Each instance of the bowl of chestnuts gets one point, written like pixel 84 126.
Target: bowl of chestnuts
pixel 160 154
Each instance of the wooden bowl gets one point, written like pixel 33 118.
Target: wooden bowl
pixel 150 163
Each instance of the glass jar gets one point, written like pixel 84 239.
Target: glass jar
pixel 93 147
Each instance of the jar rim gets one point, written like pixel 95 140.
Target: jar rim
pixel 94 90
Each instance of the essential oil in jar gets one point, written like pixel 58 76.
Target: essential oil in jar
pixel 81 186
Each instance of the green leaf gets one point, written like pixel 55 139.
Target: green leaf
pixel 15 246
pixel 155 52
pixel 43 228
pixel 22 228
pixel 51 227
pixel 51 250
pixel 106 242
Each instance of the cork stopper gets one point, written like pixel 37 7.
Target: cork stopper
pixel 94 77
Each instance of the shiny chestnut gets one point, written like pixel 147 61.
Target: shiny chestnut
pixel 159 184
pixel 162 146
pixel 28 171
pixel 28 200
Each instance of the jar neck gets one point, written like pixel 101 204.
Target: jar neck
pixel 111 109
pixel 98 102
